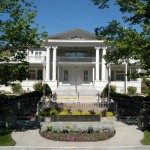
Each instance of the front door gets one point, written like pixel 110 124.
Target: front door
pixel 75 76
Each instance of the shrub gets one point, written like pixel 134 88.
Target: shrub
pixel 16 87
pixel 109 114
pixel 49 128
pixel 98 113
pixel 144 87
pixel 85 113
pixel 4 92
pixel 53 112
pixel 146 92
pixel 131 90
pixel 103 113
pixel 105 90
pixel 92 112
pixel 76 113
pixel 37 86
pixel 64 112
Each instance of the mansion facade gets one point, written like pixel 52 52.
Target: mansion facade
pixel 75 58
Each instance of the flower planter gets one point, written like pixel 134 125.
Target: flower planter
pixel 79 118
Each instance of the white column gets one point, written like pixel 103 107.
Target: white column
pixel 97 63
pixel 27 57
pixel 126 78
pixel 48 63
pixel 103 65
pixel 27 85
pixel 36 73
pixel 93 74
pixel 58 75
pixel 139 79
pixel 54 63
pixel 44 74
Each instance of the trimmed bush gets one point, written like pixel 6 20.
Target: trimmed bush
pixel 132 90
pixel 16 88
pixel 37 86
pixel 64 112
pixel 109 114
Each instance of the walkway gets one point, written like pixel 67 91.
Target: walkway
pixel 126 135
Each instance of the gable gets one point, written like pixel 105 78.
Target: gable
pixel 74 34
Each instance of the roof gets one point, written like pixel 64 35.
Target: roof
pixel 74 34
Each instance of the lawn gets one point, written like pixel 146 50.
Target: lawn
pixel 146 140
pixel 5 137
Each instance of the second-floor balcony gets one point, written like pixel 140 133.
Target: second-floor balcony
pixel 75 59
pixel 39 59
pixel 35 59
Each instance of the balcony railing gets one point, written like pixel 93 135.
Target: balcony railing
pixel 36 58
pixel 63 59
pixel 75 59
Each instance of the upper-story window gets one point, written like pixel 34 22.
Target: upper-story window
pixel 38 55
pixel 75 54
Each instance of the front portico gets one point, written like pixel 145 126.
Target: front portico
pixel 72 62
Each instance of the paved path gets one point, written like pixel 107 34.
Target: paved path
pixel 126 135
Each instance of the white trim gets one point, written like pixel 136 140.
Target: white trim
pixel 75 41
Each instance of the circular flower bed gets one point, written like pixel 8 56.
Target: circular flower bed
pixel 86 134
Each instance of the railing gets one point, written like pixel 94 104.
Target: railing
pixel 36 58
pixel 75 59
pixel 82 105
pixel 22 106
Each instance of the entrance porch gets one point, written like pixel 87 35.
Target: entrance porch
pixel 75 75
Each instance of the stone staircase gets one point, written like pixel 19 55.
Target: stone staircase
pixel 72 90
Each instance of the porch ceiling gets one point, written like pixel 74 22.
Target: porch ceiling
pixel 75 43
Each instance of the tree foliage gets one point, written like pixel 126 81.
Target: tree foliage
pixel 128 42
pixel 18 32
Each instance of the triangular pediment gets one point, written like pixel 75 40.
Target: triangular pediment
pixel 74 34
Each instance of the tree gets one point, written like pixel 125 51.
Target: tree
pixel 128 42
pixel 18 32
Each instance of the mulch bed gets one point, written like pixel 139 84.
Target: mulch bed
pixel 77 136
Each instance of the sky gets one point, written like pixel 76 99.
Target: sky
pixel 62 15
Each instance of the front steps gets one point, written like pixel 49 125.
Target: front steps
pixel 72 90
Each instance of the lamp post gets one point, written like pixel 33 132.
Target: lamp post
pixel 125 76
pixel 126 60
pixel 108 65
pixel 76 84
pixel 44 71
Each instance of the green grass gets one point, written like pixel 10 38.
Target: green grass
pixel 5 137
pixel 146 140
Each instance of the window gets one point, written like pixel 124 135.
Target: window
pixel 112 75
pixel 39 75
pixel 119 75
pixel 85 77
pixel 65 75
pixel 38 55
pixel 32 75
pixel 75 54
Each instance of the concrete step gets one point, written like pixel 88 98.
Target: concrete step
pixel 75 90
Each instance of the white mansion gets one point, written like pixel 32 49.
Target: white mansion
pixel 75 59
